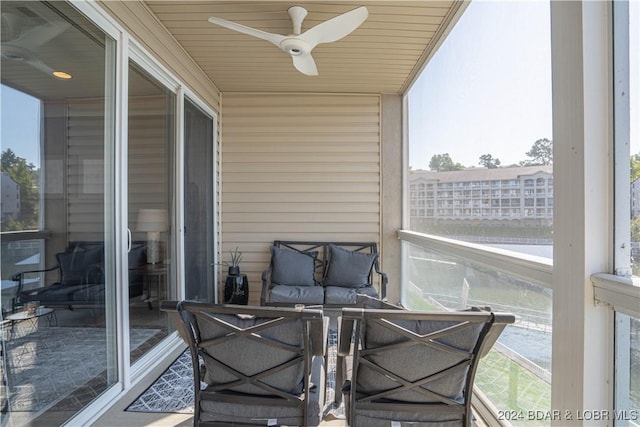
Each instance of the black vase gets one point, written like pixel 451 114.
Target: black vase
pixel 236 287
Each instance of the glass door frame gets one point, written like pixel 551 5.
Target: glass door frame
pixel 186 93
pixel 129 49
pixel 146 61
pixel 139 55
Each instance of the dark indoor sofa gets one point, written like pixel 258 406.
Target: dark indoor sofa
pixel 81 278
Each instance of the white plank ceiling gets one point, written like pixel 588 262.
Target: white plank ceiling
pixel 382 56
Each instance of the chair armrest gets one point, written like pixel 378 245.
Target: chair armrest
pixel 345 333
pixel 344 371
pixel 169 306
pixel 500 321
pixel 318 336
pixel 344 359
pixel 383 282
pixel 172 310
pixel 266 281
pixel 19 276
pixel 94 274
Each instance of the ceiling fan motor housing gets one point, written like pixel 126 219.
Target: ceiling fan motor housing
pixel 295 46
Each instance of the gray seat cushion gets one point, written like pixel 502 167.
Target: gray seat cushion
pixel 241 412
pixel 344 295
pixel 297 294
pixel 413 419
pixel 348 268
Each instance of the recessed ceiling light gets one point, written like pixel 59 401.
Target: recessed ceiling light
pixel 62 75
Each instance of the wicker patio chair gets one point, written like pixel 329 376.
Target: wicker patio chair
pixel 413 367
pixel 261 365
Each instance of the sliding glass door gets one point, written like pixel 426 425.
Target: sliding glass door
pixel 58 270
pixel 199 207
pixel 77 300
pixel 151 145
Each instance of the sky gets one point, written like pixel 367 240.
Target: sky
pixel 488 88
pixel 20 124
pixel 486 91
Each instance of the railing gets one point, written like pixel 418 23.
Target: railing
pixel 621 294
pixel 525 318
pixel 509 364
pixel 528 267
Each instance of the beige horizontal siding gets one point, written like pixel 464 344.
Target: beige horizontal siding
pixel 308 197
pixel 148 157
pixel 298 167
pixel 85 152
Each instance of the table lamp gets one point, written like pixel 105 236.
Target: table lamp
pixel 153 222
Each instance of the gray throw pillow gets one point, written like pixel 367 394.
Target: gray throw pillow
pixel 292 268
pixel 348 268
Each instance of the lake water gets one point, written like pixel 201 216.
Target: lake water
pixel 533 345
pixel 442 278
pixel 545 251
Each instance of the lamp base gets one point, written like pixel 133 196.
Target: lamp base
pixel 153 248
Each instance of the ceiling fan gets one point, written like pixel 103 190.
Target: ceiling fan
pixel 24 42
pixel 299 45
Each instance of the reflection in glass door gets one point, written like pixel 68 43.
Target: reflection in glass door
pixel 150 171
pixel 57 251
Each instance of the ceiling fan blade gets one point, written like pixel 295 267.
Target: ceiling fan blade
pixel 36 63
pixel 270 37
pixel 13 22
pixel 335 28
pixel 35 37
pixel 305 64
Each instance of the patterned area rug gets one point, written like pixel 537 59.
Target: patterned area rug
pixel 332 410
pixel 173 390
pixel 62 366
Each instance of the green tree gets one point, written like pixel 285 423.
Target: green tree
pixel 443 162
pixel 541 153
pixel 26 176
pixel 489 162
pixel 635 167
pixel 635 229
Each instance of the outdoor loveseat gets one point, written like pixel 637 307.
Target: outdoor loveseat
pixel 81 279
pixel 331 274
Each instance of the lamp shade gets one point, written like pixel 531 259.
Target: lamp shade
pixel 152 220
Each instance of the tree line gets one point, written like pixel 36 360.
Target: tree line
pixel 27 177
pixel 541 153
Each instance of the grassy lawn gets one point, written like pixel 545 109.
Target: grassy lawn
pixel 513 388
